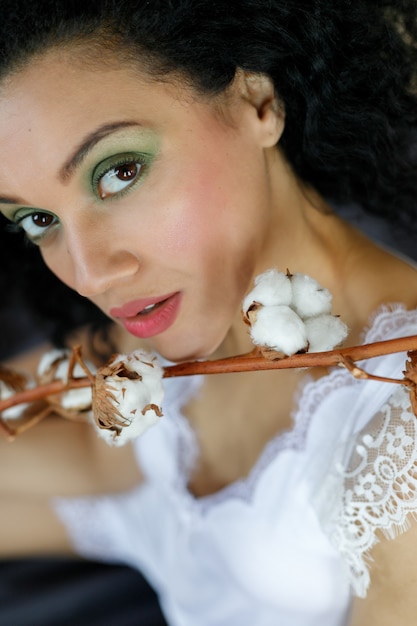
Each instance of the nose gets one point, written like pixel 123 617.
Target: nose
pixel 96 259
pixel 96 273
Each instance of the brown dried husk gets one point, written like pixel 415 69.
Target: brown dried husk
pixel 249 317
pixel 106 415
pixel 13 380
pixel 410 375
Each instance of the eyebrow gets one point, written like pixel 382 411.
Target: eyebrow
pixel 87 144
pixel 6 200
pixel 80 153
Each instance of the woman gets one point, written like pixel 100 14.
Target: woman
pixel 162 155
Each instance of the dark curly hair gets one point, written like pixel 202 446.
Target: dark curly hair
pixel 345 71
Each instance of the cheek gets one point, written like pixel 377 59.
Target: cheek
pixel 208 212
pixel 211 237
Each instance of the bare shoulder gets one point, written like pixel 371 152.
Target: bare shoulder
pixel 391 598
pixel 399 278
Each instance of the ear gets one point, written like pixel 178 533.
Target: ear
pixel 259 91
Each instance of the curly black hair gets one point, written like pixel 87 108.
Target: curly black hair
pixel 345 72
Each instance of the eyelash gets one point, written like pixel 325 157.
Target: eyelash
pixel 15 229
pixel 16 226
pixel 142 161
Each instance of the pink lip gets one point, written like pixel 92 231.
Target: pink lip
pixel 145 325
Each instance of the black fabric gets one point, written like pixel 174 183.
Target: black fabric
pixel 70 592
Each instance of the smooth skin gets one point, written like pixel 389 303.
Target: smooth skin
pixel 206 202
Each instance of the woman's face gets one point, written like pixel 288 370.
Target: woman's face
pixel 141 196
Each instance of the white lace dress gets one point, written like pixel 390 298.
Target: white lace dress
pixel 287 545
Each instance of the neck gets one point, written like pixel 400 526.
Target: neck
pixel 318 243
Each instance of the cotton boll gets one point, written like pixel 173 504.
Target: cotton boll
pixel 324 332
pixel 280 328
pixel 75 399
pixel 271 288
pixel 13 412
pixel 12 382
pixel 53 365
pixel 50 360
pixel 308 297
pixel 127 397
pixel 130 431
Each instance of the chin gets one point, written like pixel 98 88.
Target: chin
pixel 187 352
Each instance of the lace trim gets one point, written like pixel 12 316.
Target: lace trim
pixel 378 490
pixel 387 321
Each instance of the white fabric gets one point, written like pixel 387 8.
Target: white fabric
pixel 276 549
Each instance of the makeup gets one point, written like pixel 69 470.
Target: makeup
pixel 136 145
pixel 149 316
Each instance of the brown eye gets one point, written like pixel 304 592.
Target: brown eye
pixel 118 178
pixel 42 220
pixel 37 225
pixel 126 172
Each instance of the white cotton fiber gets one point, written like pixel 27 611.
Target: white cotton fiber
pixel 280 328
pixel 271 288
pixel 13 412
pixel 308 297
pixel 290 313
pixel 324 332
pixel 49 359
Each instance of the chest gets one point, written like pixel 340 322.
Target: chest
pixel 233 418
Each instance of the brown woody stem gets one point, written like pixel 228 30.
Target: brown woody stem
pixel 251 361
pixel 247 362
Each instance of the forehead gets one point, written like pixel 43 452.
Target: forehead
pixel 59 85
pixel 53 100
pixel 50 106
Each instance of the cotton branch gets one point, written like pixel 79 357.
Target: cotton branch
pixel 252 361
pixel 290 323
